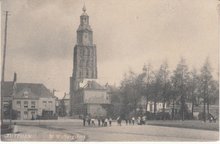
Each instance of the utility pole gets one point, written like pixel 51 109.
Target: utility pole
pixel 3 64
pixel 5 45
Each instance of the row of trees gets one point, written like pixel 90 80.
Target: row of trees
pixel 180 86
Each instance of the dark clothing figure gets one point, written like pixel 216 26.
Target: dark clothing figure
pixel 133 119
pixel 126 121
pixel 119 120
pixel 103 122
pixel 99 121
pixel 88 121
pixel 110 121
pixel 93 122
pixel 129 121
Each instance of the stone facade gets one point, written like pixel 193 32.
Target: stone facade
pixel 91 99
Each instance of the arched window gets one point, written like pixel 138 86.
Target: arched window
pixel 87 72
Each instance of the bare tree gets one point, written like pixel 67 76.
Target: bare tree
pixel 205 79
pixel 180 79
pixel 164 76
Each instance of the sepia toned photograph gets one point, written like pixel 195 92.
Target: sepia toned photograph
pixel 110 70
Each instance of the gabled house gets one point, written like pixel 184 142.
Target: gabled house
pixel 29 100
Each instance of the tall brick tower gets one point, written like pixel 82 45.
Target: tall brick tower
pixel 84 61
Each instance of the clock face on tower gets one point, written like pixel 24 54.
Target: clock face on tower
pixel 84 21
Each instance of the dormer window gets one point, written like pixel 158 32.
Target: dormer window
pixel 25 94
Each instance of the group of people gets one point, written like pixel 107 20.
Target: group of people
pixel 107 121
pixel 140 120
pixel 102 121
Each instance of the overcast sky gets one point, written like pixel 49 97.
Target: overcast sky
pixel 128 33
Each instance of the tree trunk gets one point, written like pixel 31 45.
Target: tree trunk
pixel 155 108
pixel 173 110
pixel 182 108
pixel 164 109
pixel 208 106
pixel 192 108
pixel 204 112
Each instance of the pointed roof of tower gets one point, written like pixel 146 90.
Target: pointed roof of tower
pixel 84 8
pixel 84 11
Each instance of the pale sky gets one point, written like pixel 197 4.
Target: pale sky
pixel 127 33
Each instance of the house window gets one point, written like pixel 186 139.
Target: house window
pixel 50 103
pixel 18 115
pixel 25 104
pixel 33 104
pixel 25 115
pixel 18 103
pixel 26 93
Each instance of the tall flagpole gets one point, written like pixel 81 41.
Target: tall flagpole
pixel 5 45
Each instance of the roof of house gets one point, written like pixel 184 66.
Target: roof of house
pixel 93 85
pixel 34 90
pixel 6 88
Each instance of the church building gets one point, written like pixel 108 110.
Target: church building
pixel 86 95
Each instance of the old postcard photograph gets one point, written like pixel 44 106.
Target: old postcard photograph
pixel 110 70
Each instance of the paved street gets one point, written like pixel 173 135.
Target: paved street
pixel 125 133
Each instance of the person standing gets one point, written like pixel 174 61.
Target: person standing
pixel 103 121
pixel 139 120
pixel 88 120
pixel 99 121
pixel 118 119
pixel 144 119
pixel 129 120
pixel 110 121
pixel 84 120
pixel 15 128
pixel 133 119
pixel 93 122
pixel 126 121
pixel 106 121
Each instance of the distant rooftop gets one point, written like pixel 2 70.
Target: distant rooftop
pixel 34 90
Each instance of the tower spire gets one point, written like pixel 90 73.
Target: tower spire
pixel 84 8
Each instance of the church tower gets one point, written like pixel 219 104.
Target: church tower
pixel 84 57
pixel 85 60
